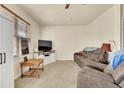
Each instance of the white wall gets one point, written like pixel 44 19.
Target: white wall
pixel 69 39
pixel 66 40
pixel 107 26
pixel 34 29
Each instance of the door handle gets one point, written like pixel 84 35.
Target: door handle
pixel 4 57
pixel 1 58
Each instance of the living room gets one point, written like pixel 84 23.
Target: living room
pixel 70 30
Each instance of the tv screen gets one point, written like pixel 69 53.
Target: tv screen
pixel 44 45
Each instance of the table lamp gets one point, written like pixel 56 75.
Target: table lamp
pixel 106 47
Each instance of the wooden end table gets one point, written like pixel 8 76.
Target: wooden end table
pixel 34 66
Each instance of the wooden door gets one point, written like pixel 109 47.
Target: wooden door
pixel 7 52
pixel 0 53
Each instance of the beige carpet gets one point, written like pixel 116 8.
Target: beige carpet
pixel 60 74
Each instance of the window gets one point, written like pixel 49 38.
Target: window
pixel 21 31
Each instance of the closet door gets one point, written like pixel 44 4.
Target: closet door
pixel 7 52
pixel 0 54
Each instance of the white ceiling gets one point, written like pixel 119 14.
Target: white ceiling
pixel 55 14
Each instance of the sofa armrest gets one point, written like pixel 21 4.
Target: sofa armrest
pixel 80 60
pixel 97 73
pixel 122 84
pixel 96 65
pixel 86 80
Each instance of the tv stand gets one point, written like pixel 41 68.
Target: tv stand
pixel 48 57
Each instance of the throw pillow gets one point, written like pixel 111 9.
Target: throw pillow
pixel 98 51
pixel 89 49
pixel 116 58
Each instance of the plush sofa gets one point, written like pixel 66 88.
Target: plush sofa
pixel 96 72
pixel 91 78
pixel 96 59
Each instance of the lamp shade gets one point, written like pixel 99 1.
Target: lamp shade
pixel 106 47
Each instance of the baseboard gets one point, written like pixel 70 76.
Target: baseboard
pixel 17 75
pixel 64 60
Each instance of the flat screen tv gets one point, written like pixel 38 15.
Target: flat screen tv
pixel 44 45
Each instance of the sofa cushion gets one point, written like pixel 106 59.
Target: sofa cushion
pixel 85 80
pixel 90 56
pixel 98 51
pixel 96 65
pixel 108 69
pixel 93 57
pixel 103 57
pixel 99 56
pixel 97 73
pixel 118 73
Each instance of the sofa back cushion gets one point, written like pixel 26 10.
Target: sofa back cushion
pixel 93 57
pixel 97 55
pixel 98 51
pixel 118 73
pixel 103 57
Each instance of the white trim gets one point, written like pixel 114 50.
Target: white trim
pixel 121 28
pixel 122 35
